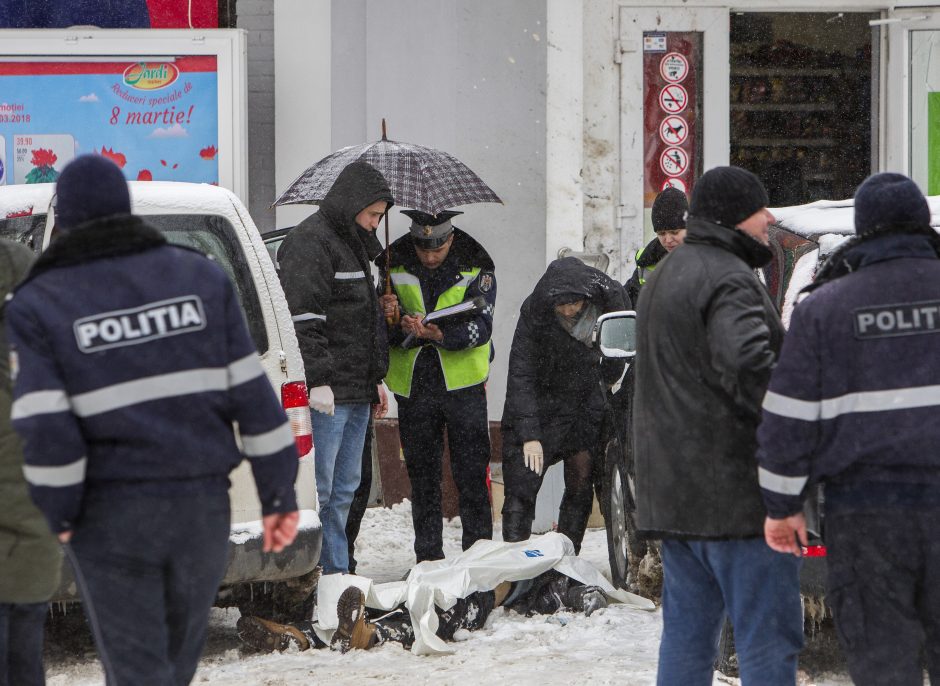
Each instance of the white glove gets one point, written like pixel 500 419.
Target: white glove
pixel 532 454
pixel 321 399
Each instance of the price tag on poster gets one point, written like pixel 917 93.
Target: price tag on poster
pixel 673 99
pixel 678 184
pixel 40 158
pixel 674 67
pixel 674 161
pixel 673 130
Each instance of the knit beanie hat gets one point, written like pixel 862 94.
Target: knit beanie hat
pixel 669 210
pixel 890 202
pixel 727 196
pixel 90 187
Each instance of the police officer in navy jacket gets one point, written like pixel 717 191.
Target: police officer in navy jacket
pixel 134 360
pixel 854 402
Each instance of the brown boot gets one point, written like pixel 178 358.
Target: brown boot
pixel 268 636
pixel 353 630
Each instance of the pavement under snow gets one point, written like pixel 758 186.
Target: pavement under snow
pixel 617 645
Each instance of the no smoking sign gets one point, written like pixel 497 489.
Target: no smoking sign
pixel 673 99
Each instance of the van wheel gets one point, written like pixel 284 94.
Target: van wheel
pixel 624 548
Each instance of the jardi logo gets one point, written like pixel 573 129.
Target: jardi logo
pixel 151 76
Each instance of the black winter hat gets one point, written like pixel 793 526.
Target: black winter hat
pixel 727 196
pixel 890 202
pixel 669 210
pixel 90 187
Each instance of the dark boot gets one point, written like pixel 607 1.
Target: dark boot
pixel 267 636
pixel 572 524
pixel 517 520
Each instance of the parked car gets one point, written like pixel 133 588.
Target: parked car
pixel 214 221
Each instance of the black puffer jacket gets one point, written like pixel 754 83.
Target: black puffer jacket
pixel 708 338
pixel 326 275
pixel 552 376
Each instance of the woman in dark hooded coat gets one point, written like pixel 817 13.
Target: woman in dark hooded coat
pixel 555 395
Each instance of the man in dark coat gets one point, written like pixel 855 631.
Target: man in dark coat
pixel 327 278
pixel 29 554
pixel 668 217
pixel 708 335
pixel 438 373
pixel 555 397
pixel 135 362
pixel 855 403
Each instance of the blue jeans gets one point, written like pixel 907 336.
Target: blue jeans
pixel 21 626
pixel 743 578
pixel 338 440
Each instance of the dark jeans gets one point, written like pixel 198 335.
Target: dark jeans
pixel 884 589
pixel 148 569
pixel 422 420
pixel 21 626
pixel 360 501
pixel 703 581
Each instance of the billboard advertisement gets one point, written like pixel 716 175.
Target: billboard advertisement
pixel 156 117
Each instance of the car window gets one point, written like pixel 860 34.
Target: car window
pixel 272 244
pixel 26 229
pixel 214 235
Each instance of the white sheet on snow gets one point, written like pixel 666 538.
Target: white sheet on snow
pixel 480 568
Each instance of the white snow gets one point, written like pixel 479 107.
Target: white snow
pixel 832 216
pixel 616 645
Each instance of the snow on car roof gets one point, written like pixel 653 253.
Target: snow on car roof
pixel 147 197
pixel 832 216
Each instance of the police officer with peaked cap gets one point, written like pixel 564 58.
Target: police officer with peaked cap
pixel 854 402
pixel 437 371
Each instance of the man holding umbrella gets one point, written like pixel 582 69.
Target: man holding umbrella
pixel 327 279
pixel 438 370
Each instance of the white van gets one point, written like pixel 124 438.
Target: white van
pixel 214 221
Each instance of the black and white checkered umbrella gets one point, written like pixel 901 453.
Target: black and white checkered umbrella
pixel 426 179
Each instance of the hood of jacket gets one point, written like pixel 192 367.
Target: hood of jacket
pixel 735 241
pixel 357 186
pixel 570 276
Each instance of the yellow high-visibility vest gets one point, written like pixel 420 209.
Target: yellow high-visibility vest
pixel 462 368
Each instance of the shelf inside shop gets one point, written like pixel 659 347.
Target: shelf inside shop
pixel 784 71
pixel 784 107
pixel 785 143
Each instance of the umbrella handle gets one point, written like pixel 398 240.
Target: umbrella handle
pixel 391 320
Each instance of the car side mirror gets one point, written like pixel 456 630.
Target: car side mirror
pixel 615 334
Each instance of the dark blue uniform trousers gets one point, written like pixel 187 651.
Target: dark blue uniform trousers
pixel 148 569
pixel 21 626
pixel 884 589
pixel 422 419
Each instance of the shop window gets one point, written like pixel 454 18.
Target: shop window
pixel 801 102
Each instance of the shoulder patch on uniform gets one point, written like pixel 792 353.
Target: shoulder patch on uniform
pixel 486 282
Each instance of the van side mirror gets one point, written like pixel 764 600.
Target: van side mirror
pixel 616 334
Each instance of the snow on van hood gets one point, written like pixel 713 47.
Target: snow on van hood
pixel 832 217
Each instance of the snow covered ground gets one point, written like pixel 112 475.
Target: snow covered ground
pixel 617 645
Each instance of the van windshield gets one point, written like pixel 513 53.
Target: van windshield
pixel 208 233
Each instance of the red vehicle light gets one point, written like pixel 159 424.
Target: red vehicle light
pixel 294 401
pixel 814 551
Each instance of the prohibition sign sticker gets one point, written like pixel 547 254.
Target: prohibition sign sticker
pixel 673 130
pixel 673 98
pixel 675 183
pixel 674 67
pixel 674 161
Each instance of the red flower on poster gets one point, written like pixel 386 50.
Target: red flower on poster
pixel 43 158
pixel 116 157
pixel 208 153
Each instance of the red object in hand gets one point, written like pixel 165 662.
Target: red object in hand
pixel 814 551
